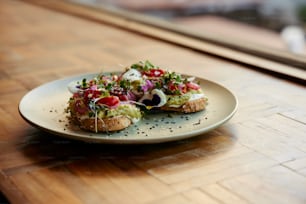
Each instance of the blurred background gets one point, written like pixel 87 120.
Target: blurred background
pixel 274 24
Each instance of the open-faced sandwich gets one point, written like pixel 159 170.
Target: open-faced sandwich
pixel 102 105
pixel 154 87
pixel 113 102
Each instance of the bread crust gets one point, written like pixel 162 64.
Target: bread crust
pixel 188 107
pixel 106 124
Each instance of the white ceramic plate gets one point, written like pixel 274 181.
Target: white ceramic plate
pixel 44 108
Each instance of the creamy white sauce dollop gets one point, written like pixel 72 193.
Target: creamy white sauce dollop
pixel 132 75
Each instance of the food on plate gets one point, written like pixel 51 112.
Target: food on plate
pixel 101 105
pixel 113 102
pixel 158 88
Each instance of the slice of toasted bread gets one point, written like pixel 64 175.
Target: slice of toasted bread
pixel 189 107
pixel 106 124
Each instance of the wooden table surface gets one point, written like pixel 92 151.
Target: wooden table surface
pixel 259 156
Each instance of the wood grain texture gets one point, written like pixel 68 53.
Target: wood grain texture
pixel 257 157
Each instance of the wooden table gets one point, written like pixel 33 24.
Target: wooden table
pixel 259 156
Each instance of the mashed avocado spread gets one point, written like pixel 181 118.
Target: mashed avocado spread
pixel 179 100
pixel 122 110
